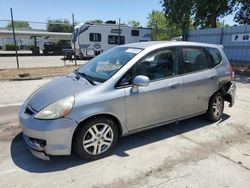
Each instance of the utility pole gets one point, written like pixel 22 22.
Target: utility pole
pixel 222 32
pixel 119 31
pixel 74 50
pixel 14 37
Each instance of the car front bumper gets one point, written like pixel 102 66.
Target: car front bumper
pixel 46 137
pixel 35 149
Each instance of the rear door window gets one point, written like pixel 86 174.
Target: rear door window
pixel 194 59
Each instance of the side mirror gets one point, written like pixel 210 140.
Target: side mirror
pixel 140 80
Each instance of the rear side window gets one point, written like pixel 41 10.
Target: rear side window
pixel 194 59
pixel 135 32
pixel 95 37
pixel 215 56
pixel 114 39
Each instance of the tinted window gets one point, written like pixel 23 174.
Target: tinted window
pixel 95 37
pixel 215 56
pixel 135 32
pixel 194 59
pixel 114 39
pixel 156 66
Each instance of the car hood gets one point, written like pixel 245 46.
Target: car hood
pixel 56 90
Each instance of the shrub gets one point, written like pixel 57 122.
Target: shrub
pixel 63 43
pixel 11 47
pixel 30 47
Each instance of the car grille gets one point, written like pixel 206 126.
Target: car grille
pixel 29 111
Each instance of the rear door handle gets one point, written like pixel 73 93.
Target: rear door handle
pixel 212 76
pixel 174 84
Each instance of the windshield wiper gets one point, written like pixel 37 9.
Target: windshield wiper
pixel 89 78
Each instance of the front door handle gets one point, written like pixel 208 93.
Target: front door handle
pixel 212 76
pixel 174 84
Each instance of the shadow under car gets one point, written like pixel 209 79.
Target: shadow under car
pixel 23 158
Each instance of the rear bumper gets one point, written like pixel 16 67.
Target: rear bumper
pixel 231 92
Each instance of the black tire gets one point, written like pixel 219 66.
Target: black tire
pixel 214 112
pixel 84 131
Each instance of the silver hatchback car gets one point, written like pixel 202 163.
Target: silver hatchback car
pixel 127 89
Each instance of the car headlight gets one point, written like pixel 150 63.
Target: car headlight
pixel 57 109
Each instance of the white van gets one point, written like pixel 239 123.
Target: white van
pixel 93 39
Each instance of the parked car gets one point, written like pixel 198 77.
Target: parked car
pixel 56 48
pixel 127 89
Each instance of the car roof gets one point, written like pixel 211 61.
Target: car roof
pixel 158 44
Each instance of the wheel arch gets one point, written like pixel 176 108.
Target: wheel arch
pixel 223 90
pixel 227 97
pixel 115 119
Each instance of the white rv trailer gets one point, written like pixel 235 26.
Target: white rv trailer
pixel 93 39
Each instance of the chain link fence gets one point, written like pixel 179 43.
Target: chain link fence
pixel 45 42
pixel 24 40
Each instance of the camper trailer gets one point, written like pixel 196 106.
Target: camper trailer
pixel 89 40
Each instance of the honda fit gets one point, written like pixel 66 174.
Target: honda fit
pixel 127 89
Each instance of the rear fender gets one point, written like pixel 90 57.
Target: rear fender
pixel 228 91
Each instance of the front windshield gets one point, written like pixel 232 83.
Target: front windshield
pixel 105 65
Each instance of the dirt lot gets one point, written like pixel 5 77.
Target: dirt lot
pixel 36 72
pixel 36 66
pixel 193 153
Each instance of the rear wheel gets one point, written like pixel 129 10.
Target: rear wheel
pixel 96 138
pixel 215 108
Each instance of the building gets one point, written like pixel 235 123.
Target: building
pixel 26 38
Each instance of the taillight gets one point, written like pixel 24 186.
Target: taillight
pixel 231 70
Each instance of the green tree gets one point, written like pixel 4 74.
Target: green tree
pixel 220 24
pixel 162 29
pixel 19 24
pixel 59 25
pixel 206 12
pixel 203 13
pixel 96 21
pixel 179 13
pixel 134 23
pixel 243 14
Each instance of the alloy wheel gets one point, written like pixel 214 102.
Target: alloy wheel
pixel 217 106
pixel 98 139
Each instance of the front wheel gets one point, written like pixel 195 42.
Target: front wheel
pixel 215 108
pixel 96 138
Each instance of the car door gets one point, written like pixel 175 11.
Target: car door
pixel 199 81
pixel 161 100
